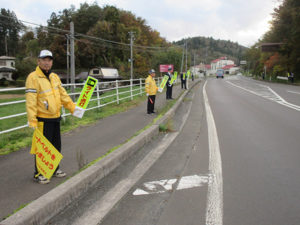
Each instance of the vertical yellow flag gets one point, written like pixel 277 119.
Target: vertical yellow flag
pixel 174 78
pixel 47 156
pixel 163 83
pixel 87 92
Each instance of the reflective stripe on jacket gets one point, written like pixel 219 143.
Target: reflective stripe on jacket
pixel 150 86
pixel 44 97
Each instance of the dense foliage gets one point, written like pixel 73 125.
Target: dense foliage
pixel 207 49
pixel 285 29
pixel 102 39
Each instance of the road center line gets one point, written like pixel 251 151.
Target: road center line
pixel 214 205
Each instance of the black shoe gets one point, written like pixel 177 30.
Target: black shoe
pixel 154 112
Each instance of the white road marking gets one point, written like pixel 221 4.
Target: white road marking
pixel 162 186
pixel 268 93
pixel 214 207
pixel 95 214
pixel 101 208
pixel 294 92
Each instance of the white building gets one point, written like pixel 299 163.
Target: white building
pixel 7 67
pixel 220 63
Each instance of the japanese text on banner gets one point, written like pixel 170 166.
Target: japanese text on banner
pixel 47 156
pixel 87 92
pixel 163 83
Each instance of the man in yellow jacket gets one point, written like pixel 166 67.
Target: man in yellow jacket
pixel 44 98
pixel 151 89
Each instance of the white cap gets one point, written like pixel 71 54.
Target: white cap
pixel 45 53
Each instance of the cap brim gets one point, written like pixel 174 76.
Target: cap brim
pixel 47 56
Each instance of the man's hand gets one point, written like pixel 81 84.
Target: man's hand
pixel 32 125
pixel 78 112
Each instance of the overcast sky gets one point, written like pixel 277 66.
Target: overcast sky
pixel 236 20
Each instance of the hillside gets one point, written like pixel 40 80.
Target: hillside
pixel 208 49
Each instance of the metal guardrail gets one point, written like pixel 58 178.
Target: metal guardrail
pixel 136 87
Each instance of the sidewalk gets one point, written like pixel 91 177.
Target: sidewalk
pixel 17 187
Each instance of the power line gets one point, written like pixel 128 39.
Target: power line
pixel 92 37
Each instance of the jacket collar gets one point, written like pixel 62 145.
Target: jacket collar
pixel 40 72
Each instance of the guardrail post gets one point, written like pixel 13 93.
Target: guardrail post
pixel 141 86
pixel 63 113
pixel 117 91
pixel 131 97
pixel 98 96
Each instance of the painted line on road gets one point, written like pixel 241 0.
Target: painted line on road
pixel 214 205
pixel 275 98
pixel 162 186
pixel 96 213
pixel 294 92
pixel 283 102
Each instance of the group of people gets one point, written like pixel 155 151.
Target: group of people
pixel 45 97
pixel 151 89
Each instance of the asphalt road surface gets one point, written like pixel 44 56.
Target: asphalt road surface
pixel 233 159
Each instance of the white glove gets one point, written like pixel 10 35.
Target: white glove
pixel 147 94
pixel 78 112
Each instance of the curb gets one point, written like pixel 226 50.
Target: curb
pixel 50 204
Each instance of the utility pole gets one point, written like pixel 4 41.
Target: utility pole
pixel 72 59
pixel 182 59
pixel 194 58
pixel 186 56
pixel 68 59
pixel 131 54
pixel 5 40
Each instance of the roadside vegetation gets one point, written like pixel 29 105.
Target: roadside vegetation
pixel 16 140
pixel 285 31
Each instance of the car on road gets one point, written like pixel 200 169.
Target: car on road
pixel 220 73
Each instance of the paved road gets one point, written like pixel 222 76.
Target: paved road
pixel 16 170
pixel 186 156
pixel 254 181
pixel 259 142
pixel 258 139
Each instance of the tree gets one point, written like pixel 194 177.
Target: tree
pixel 9 32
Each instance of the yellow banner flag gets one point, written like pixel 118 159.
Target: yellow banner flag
pixel 174 78
pixel 47 156
pixel 163 83
pixel 87 92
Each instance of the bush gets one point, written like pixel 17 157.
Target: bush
pixel 25 66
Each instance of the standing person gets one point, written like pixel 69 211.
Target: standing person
pixel 292 77
pixel 169 85
pixel 183 80
pixel 151 89
pixel 44 98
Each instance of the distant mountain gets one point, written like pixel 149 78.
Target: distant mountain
pixel 208 49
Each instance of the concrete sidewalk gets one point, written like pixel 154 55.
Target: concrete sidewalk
pixel 16 169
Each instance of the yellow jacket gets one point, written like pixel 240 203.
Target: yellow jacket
pixel 45 97
pixel 150 86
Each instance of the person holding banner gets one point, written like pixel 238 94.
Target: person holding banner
pixel 169 84
pixel 44 98
pixel 151 89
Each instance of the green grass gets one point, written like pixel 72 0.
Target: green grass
pixel 16 140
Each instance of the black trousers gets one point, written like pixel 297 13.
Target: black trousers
pixel 51 130
pixel 150 105
pixel 169 92
pixel 183 83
